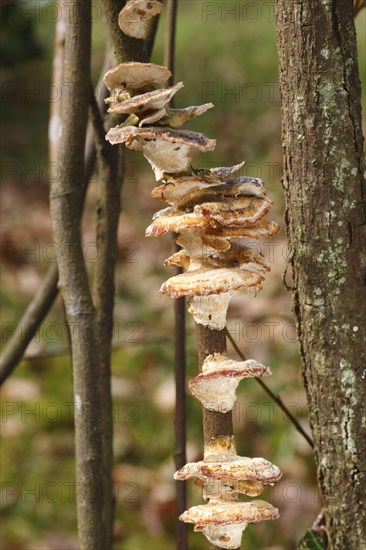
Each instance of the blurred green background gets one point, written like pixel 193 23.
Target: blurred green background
pixel 226 53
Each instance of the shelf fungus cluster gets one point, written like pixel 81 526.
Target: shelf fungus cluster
pixel 212 211
pixel 224 476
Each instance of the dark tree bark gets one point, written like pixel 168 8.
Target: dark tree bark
pixel 107 212
pixel 125 47
pixel 325 216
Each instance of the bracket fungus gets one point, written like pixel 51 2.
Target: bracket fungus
pixel 166 149
pixel 233 468
pixel 223 523
pixel 205 282
pixel 153 101
pixel 211 211
pixel 215 386
pixel 134 16
pixel 131 78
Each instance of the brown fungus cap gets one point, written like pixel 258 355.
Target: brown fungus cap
pixel 246 487
pixel 135 14
pixel 179 190
pixel 233 468
pixel 236 212
pixel 241 256
pixel 226 172
pixel 151 117
pixel 166 150
pixel 228 490
pixel 150 101
pixel 179 259
pixel 223 192
pixel 216 513
pixel 136 76
pixel 198 244
pixel 188 192
pixel 205 282
pixel 223 523
pixel 215 387
pixel 138 136
pixel 175 118
pixel 177 223
pixel 260 230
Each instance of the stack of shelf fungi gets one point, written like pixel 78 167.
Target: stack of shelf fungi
pixel 212 211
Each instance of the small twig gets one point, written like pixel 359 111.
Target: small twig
pixel 357 6
pixel 27 327
pixel 276 398
pixel 171 30
pixel 180 455
pixel 47 292
pixel 317 525
pixel 43 355
pixel 319 521
pixel 57 76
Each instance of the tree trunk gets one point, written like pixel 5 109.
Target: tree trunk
pixel 65 200
pixel 325 216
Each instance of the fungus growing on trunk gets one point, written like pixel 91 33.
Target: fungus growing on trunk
pixel 134 78
pixel 167 150
pixel 216 385
pixel 154 101
pixel 211 211
pixel 133 18
pixel 205 282
pixel 223 523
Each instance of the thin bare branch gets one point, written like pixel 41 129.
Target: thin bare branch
pixel 357 6
pixel 47 292
pixel 27 327
pixel 180 455
pixel 57 76
pixel 276 398
pixel 170 34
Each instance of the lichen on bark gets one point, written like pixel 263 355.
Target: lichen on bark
pixel 325 214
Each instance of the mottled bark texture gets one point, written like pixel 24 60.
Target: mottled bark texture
pixel 125 47
pixel 325 215
pixel 73 280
